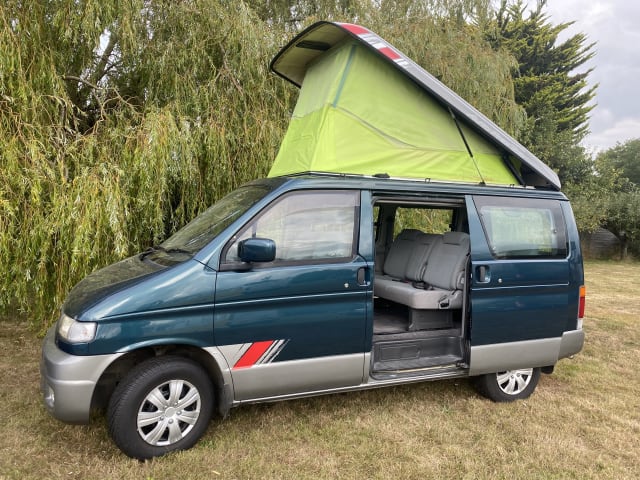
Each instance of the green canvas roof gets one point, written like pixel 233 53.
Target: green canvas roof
pixel 359 112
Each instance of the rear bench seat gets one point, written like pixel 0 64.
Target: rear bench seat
pixel 406 259
pixel 434 268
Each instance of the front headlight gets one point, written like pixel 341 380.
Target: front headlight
pixel 75 332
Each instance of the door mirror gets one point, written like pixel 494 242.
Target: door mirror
pixel 257 250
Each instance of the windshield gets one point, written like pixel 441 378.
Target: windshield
pixel 206 226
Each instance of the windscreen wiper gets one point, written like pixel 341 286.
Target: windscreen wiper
pixel 160 248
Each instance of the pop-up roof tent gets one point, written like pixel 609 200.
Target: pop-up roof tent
pixel 365 108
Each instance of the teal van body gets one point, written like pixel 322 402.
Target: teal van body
pixel 308 318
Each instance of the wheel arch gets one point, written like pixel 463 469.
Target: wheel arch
pixel 116 371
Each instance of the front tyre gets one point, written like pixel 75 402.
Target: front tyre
pixel 163 404
pixel 509 385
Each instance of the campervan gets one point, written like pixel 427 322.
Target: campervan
pixel 400 237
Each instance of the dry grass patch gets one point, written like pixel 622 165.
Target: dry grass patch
pixel 583 422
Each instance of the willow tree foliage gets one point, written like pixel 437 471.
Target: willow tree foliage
pixel 120 121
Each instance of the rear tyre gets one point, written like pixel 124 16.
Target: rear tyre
pixel 163 404
pixel 509 385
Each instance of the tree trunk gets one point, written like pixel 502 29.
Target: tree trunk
pixel 624 247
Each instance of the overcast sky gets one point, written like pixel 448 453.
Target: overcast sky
pixel 615 26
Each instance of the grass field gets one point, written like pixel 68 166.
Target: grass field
pixel 583 422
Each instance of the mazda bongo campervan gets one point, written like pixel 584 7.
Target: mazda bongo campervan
pixel 399 238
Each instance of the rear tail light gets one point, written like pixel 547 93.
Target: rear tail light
pixel 583 294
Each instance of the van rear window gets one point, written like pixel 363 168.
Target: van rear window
pixel 523 227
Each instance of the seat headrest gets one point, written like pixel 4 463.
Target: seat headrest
pixel 409 234
pixel 455 238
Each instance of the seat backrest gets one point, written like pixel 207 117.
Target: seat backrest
pixel 395 264
pixel 447 261
pixel 423 246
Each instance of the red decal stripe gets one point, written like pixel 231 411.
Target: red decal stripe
pixel 355 29
pixel 388 52
pixel 253 354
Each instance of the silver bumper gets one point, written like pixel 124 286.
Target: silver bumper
pixel 67 381
pixel 572 342
pixel 524 354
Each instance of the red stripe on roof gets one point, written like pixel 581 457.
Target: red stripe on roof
pixel 253 354
pixel 389 52
pixel 353 28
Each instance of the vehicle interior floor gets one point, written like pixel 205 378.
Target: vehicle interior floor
pixel 396 347
pixel 391 318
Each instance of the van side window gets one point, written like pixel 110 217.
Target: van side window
pixel 523 227
pixel 429 220
pixel 306 226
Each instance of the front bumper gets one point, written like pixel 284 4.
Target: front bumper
pixel 67 381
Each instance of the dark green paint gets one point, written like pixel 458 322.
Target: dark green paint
pixel 321 309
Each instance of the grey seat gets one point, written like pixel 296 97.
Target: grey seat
pixel 406 260
pixel 397 259
pixel 443 277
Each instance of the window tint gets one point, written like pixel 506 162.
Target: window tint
pixel 523 228
pixel 309 226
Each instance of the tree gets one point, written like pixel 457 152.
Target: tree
pixel 120 121
pixel 619 169
pixel 555 97
pixel 625 158
pixel 608 197
pixel 623 220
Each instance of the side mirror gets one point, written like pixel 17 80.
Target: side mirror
pixel 257 250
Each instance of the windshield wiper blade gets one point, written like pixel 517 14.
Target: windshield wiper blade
pixel 173 250
pixel 146 252
pixel 160 248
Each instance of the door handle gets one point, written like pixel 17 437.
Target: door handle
pixel 362 276
pixel 483 274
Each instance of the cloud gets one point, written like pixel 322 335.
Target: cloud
pixel 619 131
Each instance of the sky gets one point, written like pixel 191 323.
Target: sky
pixel 615 27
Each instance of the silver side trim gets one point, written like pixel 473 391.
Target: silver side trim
pixel 278 379
pixel 510 356
pixel 371 384
pixel 368 366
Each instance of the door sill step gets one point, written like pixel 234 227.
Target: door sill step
pixel 435 372
pixel 416 363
